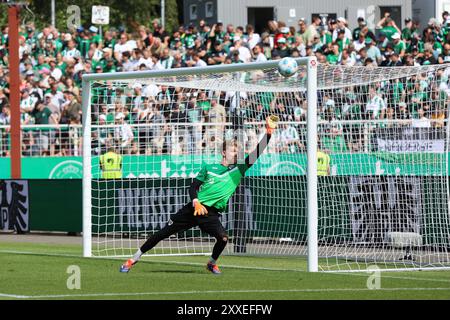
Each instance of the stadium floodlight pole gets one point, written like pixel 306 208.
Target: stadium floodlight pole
pixel 312 207
pixel 163 13
pixel 14 85
pixel 53 13
pixel 87 175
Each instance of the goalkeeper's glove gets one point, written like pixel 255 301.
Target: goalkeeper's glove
pixel 199 209
pixel 271 123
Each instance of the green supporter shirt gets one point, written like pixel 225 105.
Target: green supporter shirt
pixel 326 38
pixel 389 32
pixel 343 44
pixel 219 184
pixel 407 34
pixel 399 47
pixel 83 47
pixel 333 58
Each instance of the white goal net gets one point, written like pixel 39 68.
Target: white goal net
pixel 383 199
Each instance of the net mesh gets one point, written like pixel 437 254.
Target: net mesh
pixel 383 165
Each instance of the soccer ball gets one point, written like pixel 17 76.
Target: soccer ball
pixel 287 67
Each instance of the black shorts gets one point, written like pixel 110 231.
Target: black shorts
pixel 184 219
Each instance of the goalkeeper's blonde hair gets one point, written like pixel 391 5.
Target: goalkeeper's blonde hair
pixel 229 142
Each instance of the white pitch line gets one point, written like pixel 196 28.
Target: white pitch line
pixel 14 296
pixel 218 292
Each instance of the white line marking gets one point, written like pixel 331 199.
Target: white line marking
pixel 13 296
pixel 217 292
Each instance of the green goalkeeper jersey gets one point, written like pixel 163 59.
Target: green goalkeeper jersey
pixel 219 184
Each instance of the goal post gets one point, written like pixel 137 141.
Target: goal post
pixel 355 175
pixel 309 63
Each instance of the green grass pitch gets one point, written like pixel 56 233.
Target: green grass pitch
pixel 39 271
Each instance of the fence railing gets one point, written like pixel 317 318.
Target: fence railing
pixel 337 136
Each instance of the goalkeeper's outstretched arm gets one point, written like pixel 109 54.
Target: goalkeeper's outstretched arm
pixel 271 125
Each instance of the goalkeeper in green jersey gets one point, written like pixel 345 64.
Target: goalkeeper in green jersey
pixel 210 192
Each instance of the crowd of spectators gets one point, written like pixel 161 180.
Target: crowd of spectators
pixel 52 64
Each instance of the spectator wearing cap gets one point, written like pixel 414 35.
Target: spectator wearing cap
pixel 342 40
pixel 394 60
pixel 387 26
pixel 282 50
pixel 399 45
pixel 373 52
pixel 342 25
pixel 284 33
pixel 217 54
pixel 233 57
pixel 95 36
pixel 361 24
pixel 382 42
pixel 106 56
pixel 98 69
pixel 244 53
